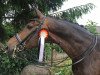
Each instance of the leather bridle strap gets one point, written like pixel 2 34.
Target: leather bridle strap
pixel 87 52
pixel 81 57
pixel 18 38
pixel 34 31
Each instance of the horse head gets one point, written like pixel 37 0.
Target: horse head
pixel 29 35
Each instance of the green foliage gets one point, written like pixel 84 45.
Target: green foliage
pixel 9 65
pixel 17 8
pixel 63 71
pixel 18 12
pixel 13 66
pixel 9 29
pixel 57 48
pixel 3 35
pixel 74 13
pixel 49 47
pixel 91 26
pixel 66 70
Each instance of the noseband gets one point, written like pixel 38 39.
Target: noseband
pixel 18 38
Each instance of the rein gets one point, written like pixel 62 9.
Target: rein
pixel 78 59
pixel 87 52
pixel 81 57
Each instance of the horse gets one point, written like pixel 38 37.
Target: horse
pixel 80 45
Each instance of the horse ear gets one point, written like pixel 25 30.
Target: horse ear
pixel 39 14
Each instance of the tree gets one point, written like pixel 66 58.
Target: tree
pixel 74 13
pixel 19 11
pixel 91 26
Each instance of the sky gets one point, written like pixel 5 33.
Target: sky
pixel 94 15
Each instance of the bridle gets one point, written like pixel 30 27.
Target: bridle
pixel 78 59
pixel 34 31
pixel 18 38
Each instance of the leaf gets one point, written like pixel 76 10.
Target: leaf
pixel 75 12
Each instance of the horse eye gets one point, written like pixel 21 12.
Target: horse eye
pixel 29 26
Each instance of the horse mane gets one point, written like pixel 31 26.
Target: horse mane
pixel 66 20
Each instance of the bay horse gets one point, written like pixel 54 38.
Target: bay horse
pixel 80 45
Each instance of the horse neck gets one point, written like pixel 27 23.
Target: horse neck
pixel 72 38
